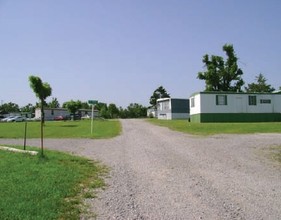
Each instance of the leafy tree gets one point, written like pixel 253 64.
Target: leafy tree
pixel 28 108
pixel 123 113
pixel 260 85
pixel 136 111
pixel 54 103
pixel 104 111
pixel 159 93
pixel 42 91
pixel 100 105
pixel 85 105
pixel 113 111
pixel 222 75
pixel 72 106
pixel 9 108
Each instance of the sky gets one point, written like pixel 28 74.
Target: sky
pixel 120 51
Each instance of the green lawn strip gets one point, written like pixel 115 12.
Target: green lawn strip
pixel 218 128
pixel 62 129
pixel 32 187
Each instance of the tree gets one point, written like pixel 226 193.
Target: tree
pixel 113 111
pixel 54 103
pixel 104 111
pixel 136 110
pixel 85 105
pixel 73 106
pixel 28 108
pixel 9 108
pixel 222 75
pixel 159 93
pixel 260 85
pixel 42 91
pixel 123 113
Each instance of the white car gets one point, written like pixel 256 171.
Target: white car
pixel 16 118
pixel 7 118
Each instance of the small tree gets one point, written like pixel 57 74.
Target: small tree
pixel 54 103
pixel 136 110
pixel 73 106
pixel 28 108
pixel 42 91
pixel 159 93
pixel 260 85
pixel 85 105
pixel 113 111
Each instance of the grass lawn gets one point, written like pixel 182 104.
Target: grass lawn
pixel 218 128
pixel 32 187
pixel 62 129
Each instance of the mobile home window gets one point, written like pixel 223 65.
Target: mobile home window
pixel 265 101
pixel 252 100
pixel 221 100
pixel 192 102
pixel 166 105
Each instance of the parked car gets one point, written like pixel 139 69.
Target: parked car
pixel 16 119
pixel 62 118
pixel 86 117
pixel 7 118
pixel 75 117
pixel 33 119
pixel 58 118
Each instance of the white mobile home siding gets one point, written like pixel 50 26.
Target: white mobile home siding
pixel 237 107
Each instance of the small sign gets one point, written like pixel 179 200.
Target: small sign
pixel 92 102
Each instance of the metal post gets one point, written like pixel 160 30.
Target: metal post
pixel 92 119
pixel 25 128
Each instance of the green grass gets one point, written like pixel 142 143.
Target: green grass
pixel 62 129
pixel 32 187
pixel 218 128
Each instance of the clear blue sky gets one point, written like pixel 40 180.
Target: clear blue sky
pixel 120 51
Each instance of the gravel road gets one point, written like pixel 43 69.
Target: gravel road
pixel 157 173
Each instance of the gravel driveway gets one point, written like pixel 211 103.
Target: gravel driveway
pixel 161 174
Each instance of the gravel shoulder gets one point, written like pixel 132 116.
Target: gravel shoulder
pixel 157 173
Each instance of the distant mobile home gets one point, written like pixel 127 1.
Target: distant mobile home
pixel 152 112
pixel 172 108
pixel 235 107
pixel 51 113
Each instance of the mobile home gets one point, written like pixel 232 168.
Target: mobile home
pixel 235 107
pixel 172 108
pixel 51 113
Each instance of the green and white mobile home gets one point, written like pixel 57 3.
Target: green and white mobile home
pixel 235 107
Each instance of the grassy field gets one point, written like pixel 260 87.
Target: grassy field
pixel 218 128
pixel 32 187
pixel 62 129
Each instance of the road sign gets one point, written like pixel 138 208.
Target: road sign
pixel 92 102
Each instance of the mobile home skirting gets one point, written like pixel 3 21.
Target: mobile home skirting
pixel 236 117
